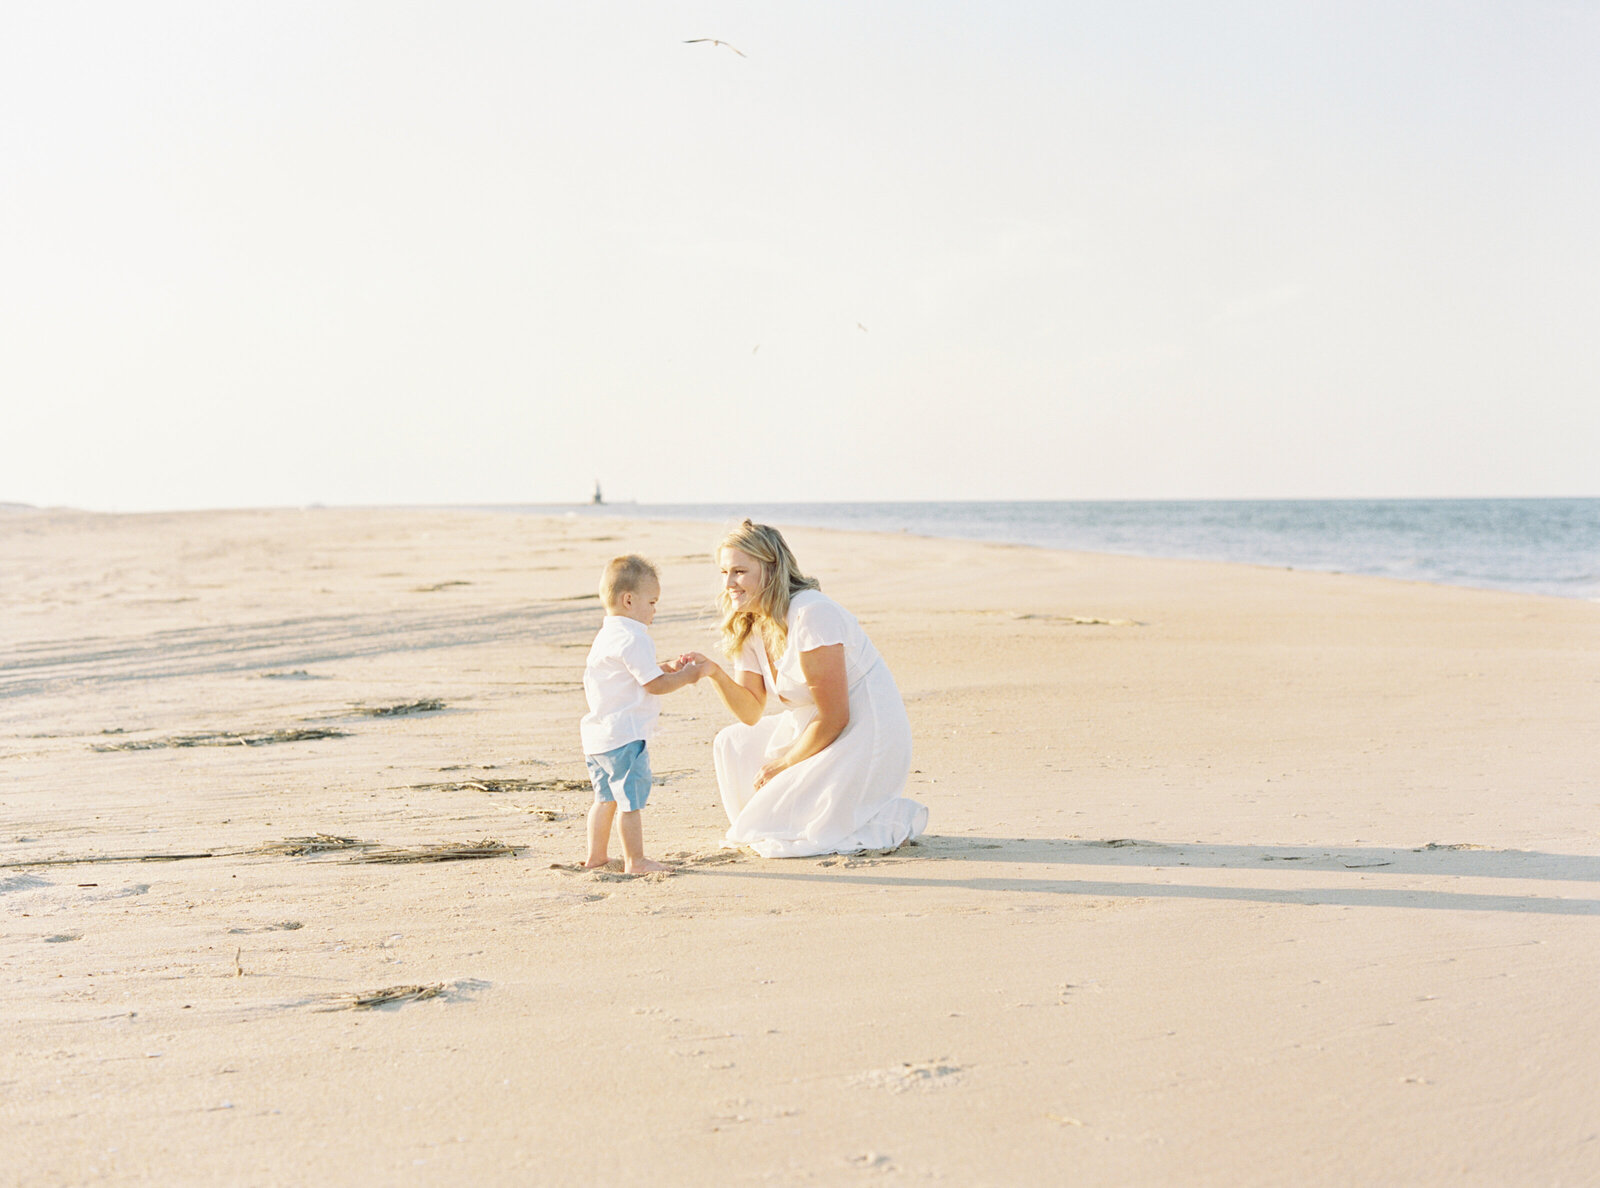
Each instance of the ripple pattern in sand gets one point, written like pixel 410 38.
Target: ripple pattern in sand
pixel 35 668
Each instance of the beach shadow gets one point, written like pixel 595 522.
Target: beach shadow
pixel 1461 860
pixel 1352 864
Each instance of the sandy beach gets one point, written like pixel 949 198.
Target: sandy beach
pixel 1233 875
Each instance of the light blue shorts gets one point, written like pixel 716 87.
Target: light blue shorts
pixel 622 775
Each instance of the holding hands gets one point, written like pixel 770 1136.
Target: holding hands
pixel 744 693
pixel 707 666
pixel 691 664
pixel 700 663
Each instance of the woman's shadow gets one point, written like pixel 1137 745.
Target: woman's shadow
pixel 1363 876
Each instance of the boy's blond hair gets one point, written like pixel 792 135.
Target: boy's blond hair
pixel 626 575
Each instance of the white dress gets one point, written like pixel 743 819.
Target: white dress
pixel 846 797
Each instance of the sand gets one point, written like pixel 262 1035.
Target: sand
pixel 1234 875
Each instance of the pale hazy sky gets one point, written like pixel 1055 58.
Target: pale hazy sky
pixel 280 253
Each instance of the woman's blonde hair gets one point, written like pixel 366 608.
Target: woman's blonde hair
pixel 768 613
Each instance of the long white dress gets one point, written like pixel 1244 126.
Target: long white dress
pixel 848 796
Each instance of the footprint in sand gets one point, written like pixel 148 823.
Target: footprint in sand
pixel 611 872
pixel 871 1161
pixel 23 882
pixel 929 1074
pixel 707 858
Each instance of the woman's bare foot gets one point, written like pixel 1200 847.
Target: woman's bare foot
pixel 644 866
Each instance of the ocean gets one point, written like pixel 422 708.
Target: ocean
pixel 1533 546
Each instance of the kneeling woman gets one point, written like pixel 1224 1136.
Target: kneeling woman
pixel 827 773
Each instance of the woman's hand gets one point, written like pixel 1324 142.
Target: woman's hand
pixel 771 770
pixel 824 671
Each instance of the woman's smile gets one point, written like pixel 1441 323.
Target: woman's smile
pixel 742 576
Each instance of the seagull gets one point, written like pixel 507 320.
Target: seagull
pixel 861 328
pixel 714 41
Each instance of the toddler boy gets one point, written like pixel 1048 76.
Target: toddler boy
pixel 623 684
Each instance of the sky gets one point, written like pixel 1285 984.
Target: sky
pixel 284 253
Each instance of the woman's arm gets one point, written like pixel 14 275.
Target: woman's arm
pixel 824 672
pixel 746 697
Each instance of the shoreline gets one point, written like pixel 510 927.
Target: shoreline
pixel 666 514
pixel 1233 875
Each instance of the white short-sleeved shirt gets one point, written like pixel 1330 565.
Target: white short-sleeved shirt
pixel 621 663
pixel 814 621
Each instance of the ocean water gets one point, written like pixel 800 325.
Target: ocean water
pixel 1533 546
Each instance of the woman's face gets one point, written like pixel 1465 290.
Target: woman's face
pixel 742 576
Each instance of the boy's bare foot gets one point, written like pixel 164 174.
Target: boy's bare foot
pixel 591 864
pixel 645 866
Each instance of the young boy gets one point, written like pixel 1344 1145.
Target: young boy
pixel 623 684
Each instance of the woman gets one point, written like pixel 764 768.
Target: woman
pixel 826 774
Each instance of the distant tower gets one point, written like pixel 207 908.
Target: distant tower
pixel 598 499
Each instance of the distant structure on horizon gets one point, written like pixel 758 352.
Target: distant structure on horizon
pixel 598 499
pixel 714 41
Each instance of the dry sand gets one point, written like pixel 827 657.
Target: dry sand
pixel 1258 877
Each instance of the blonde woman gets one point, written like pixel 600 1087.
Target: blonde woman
pixel 826 773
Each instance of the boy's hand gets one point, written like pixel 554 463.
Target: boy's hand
pixel 671 665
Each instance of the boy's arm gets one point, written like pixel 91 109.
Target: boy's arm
pixel 669 681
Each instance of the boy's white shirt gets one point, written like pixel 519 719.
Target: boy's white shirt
pixel 621 662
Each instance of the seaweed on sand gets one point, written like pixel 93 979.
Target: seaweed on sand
pixel 319 843
pixel 441 852
pixel 291 847
pixel 425 705
pixel 508 784
pixel 217 738
pixel 101 858
pixel 389 994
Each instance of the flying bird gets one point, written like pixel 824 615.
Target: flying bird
pixel 714 41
